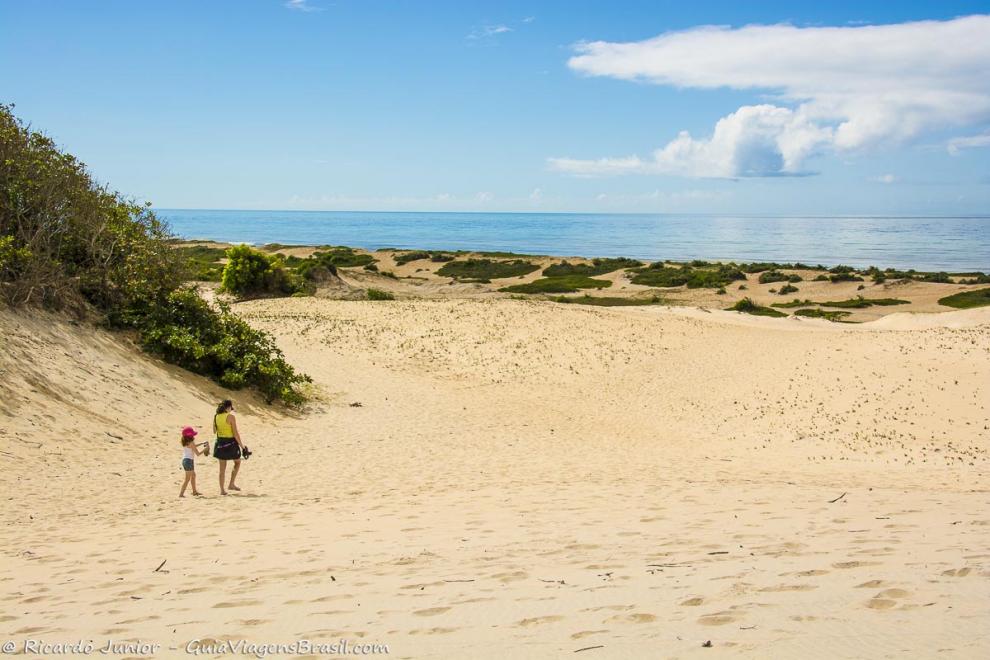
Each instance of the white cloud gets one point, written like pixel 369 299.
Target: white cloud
pixel 837 88
pixel 529 19
pixel 536 195
pixel 969 142
pixel 488 31
pixel 485 197
pixel 885 178
pixel 301 5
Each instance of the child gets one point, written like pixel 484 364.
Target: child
pixel 189 451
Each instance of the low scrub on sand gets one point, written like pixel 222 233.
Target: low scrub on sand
pixel 67 242
pixel 596 267
pixel 844 277
pixel 747 306
pixel 662 276
pixel 201 262
pixel 378 294
pixel 567 284
pixel 344 257
pixel 759 267
pixel 419 255
pixel 822 314
pixel 967 299
pixel 974 278
pixel 852 303
pixel 786 289
pixel 608 301
pixel 777 276
pixel 486 269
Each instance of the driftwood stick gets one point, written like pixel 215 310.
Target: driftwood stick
pixel 837 499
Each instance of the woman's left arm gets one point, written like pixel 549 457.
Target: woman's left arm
pixel 233 427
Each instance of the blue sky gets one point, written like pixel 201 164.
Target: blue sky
pixel 366 105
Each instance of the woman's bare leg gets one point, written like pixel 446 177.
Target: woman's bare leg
pixel 192 481
pixel 233 475
pixel 223 472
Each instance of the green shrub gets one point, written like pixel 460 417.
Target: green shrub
pixel 411 256
pixel 821 278
pixel 844 277
pixel 440 257
pixel 772 276
pixel 344 257
pixel 860 302
pixel 747 306
pixel 659 275
pixel 183 329
pixel 567 284
pixel 977 278
pixel 822 314
pixel 201 262
pixel 66 241
pixel 607 301
pixel 596 267
pixel 486 269
pixel 378 294
pixel 787 288
pixel 250 273
pixel 967 299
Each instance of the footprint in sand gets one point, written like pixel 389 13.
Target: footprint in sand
pixel 886 599
pixel 958 572
pixel 237 603
pixel 872 584
pixel 587 633
pixel 812 573
pixel 718 618
pixel 692 602
pixel 637 617
pixel 539 620
pixel 854 564
pixel 790 587
pixel 432 611
pixel 514 576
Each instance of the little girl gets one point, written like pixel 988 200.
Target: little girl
pixel 189 451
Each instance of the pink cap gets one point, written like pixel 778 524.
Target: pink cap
pixel 189 432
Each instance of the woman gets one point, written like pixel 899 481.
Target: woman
pixel 228 446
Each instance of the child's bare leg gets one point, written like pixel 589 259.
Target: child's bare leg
pixel 185 482
pixel 223 472
pixel 233 475
pixel 192 480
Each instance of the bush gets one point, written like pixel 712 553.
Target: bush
pixel 967 299
pixel 747 306
pixel 844 277
pixel 486 269
pixel 411 256
pixel 342 257
pixel 250 273
pixel 607 301
pixel 183 329
pixel 568 284
pixel 66 241
pixel 201 262
pixel 659 275
pixel 378 294
pixel 822 314
pixel 787 288
pixel 596 267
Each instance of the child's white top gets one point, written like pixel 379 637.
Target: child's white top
pixel 187 452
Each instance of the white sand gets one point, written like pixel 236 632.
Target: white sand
pixel 521 480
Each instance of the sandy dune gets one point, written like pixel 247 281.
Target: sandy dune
pixel 521 479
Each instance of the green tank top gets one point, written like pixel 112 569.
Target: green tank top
pixel 223 426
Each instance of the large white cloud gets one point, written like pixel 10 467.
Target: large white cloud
pixel 834 88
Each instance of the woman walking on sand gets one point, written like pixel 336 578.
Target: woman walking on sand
pixel 228 446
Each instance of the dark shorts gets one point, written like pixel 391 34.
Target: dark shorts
pixel 188 465
pixel 226 449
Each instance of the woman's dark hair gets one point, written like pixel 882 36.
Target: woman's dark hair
pixel 185 440
pixel 224 406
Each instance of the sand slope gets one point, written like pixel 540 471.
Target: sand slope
pixel 520 480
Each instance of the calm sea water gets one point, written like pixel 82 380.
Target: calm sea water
pixel 946 243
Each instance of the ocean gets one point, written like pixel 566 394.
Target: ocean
pixel 954 244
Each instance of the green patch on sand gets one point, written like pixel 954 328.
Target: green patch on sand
pixel 607 301
pixel 747 306
pixel 486 269
pixel 967 299
pixel 822 314
pixel 202 262
pixel 596 267
pixel 567 284
pixel 662 276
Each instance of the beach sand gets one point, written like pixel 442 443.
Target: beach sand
pixel 520 479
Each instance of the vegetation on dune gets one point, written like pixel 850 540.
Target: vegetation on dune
pixel 596 267
pixel 967 299
pixel 747 306
pixel 344 257
pixel 844 277
pixel 607 301
pixel 201 262
pixel 660 275
pixel 67 242
pixel 486 269
pixel 417 255
pixel 566 284
pixel 250 273
pixel 786 289
pixel 759 267
pixel 822 314
pixel 776 276
pixel 378 294
pixel 852 303
pixel 974 278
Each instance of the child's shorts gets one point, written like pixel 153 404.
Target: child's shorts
pixel 188 465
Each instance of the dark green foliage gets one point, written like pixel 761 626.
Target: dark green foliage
pixel 440 257
pixel 860 303
pixel 659 275
pixel 486 269
pixel 794 303
pixel 720 291
pixel 822 314
pixel 202 262
pixel 183 329
pixel 787 288
pixel 319 267
pixel 251 273
pixel 759 267
pixel 844 277
pixel 378 294
pixel 821 278
pixel 66 241
pixel 373 268
pixel 747 306
pixel 976 278
pixel 344 257
pixel 567 284
pixel 411 256
pixel 938 278
pixel 607 301
pixel 967 299
pixel 596 267
pixel 777 276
